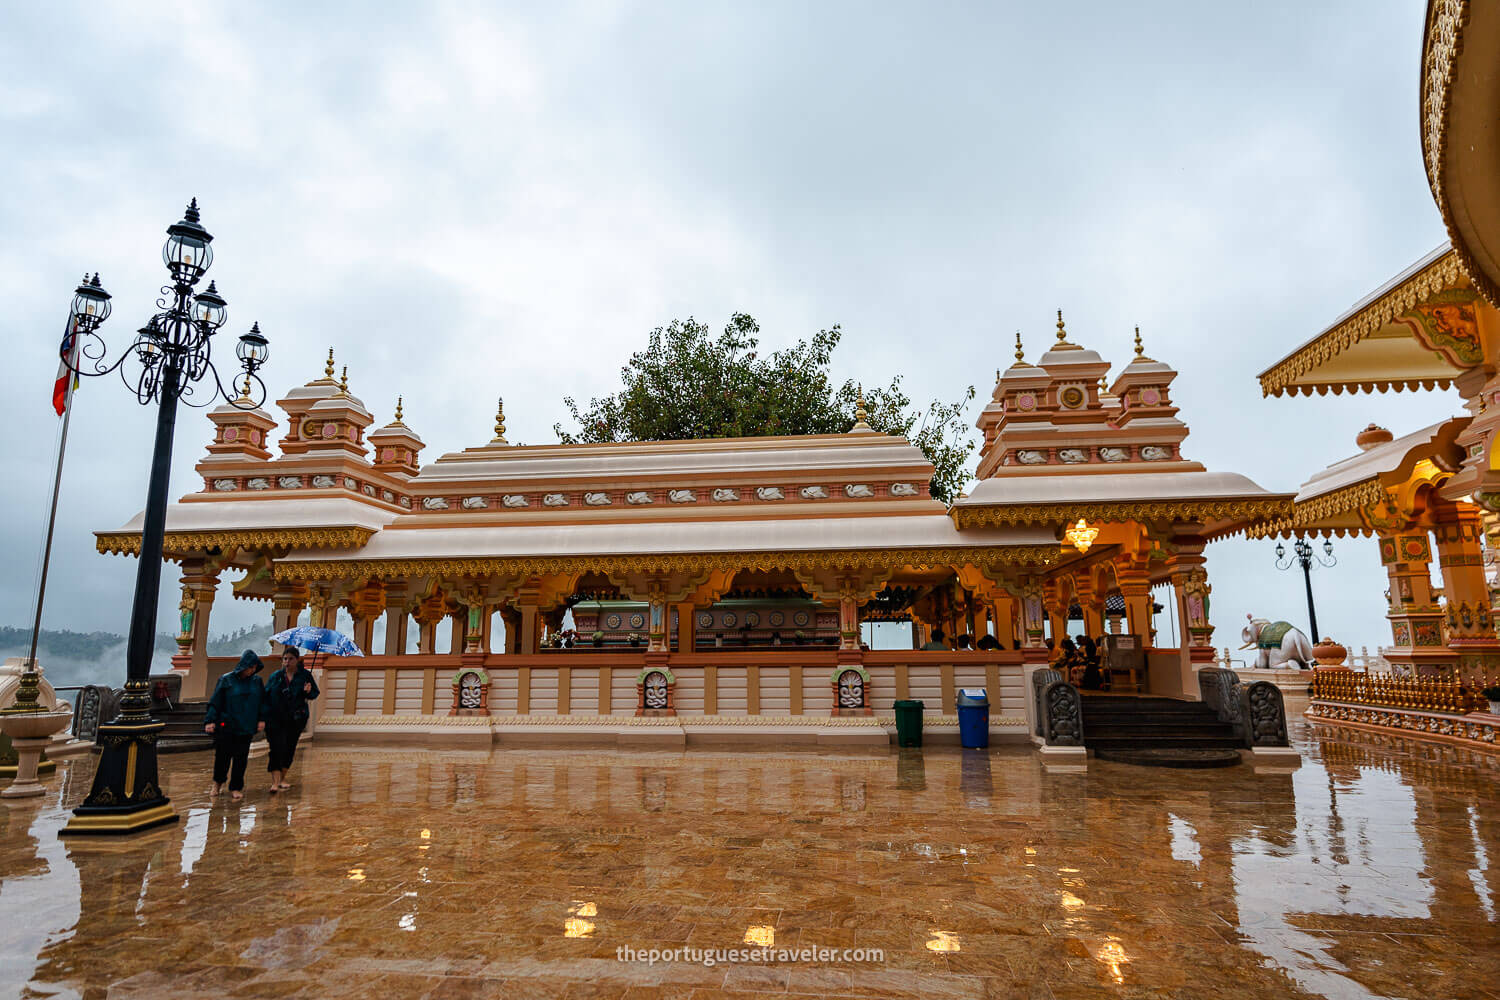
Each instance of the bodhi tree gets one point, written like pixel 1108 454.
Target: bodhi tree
pixel 688 383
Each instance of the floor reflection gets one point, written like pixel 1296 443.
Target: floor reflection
pixel 443 873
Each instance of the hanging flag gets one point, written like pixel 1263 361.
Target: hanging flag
pixel 67 379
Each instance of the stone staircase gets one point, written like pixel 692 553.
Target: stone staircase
pixel 184 732
pixel 1159 731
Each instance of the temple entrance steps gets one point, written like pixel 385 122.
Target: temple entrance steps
pixel 1121 722
pixel 184 727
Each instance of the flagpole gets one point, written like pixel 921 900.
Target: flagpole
pixel 41 590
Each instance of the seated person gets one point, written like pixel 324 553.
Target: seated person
pixel 964 641
pixel 988 641
pixel 936 642
pixel 1093 677
pixel 1069 662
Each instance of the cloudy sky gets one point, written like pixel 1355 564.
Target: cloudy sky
pixel 466 201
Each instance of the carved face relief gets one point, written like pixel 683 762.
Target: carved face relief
pixel 851 690
pixel 656 690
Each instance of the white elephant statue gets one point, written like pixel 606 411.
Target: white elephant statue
pixel 1280 643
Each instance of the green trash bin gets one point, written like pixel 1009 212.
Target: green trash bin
pixel 909 723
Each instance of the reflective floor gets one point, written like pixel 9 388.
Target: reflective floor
pixel 403 873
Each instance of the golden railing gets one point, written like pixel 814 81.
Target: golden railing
pixel 1423 694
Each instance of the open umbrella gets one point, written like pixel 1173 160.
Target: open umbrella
pixel 318 640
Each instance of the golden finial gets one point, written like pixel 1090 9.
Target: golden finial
pixel 1139 350
pixel 344 382
pixel 1020 354
pixel 1062 334
pixel 398 409
pixel 860 423
pixel 328 368
pixel 499 422
pixel 1103 386
pixel 245 389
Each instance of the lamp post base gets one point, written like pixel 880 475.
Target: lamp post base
pixel 125 798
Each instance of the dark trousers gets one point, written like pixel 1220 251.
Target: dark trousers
pixel 231 752
pixel 281 741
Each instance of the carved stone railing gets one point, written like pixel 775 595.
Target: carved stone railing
pixel 1059 709
pixel 1039 681
pixel 1447 695
pixel 1256 711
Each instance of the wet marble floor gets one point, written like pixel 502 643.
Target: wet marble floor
pixel 391 873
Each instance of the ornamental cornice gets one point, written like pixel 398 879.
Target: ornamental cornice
pixel 1351 499
pixel 1441 274
pixel 129 543
pixel 524 566
pixel 1141 511
pixel 1442 44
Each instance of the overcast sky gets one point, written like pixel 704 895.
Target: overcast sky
pixel 466 202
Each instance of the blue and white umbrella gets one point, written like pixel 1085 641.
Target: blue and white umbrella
pixel 318 640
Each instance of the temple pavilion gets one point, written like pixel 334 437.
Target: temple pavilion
pixel 783 545
pixel 1434 492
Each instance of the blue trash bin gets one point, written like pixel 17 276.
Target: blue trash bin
pixel 973 718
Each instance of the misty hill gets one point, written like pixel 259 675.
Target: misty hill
pixel 75 658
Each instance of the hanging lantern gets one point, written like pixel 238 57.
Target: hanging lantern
pixel 1080 535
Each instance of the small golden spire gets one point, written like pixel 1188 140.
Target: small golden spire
pixel 1020 354
pixel 860 423
pixel 499 422
pixel 328 368
pixel 344 382
pixel 1062 334
pixel 1103 387
pixel 1139 350
pixel 398 409
pixel 245 390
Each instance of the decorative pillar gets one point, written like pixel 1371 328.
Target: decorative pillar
pixel 526 603
pixel 1416 617
pixel 430 611
pixel 395 619
pixel 287 604
pixel 200 581
pixel 1191 588
pixel 1135 588
pixel 1003 611
pixel 1471 627
pixel 1057 613
pixel 512 619
pixel 458 622
pixel 365 605
pixel 687 627
pixel 1092 604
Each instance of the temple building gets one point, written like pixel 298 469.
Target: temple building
pixel 1434 492
pixel 664 550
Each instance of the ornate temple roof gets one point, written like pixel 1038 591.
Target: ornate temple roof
pixel 1415 331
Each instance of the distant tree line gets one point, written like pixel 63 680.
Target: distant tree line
pixel 93 645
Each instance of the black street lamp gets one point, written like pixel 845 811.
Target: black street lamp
pixel 1303 554
pixel 170 355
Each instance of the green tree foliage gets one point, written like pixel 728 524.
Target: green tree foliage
pixel 688 383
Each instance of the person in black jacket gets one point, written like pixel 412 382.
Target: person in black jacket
pixel 236 712
pixel 287 694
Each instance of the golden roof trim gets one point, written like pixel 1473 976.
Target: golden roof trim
pixel 1000 516
pixel 129 542
pixel 1306 514
pixel 1442 43
pixel 337 569
pixel 1444 272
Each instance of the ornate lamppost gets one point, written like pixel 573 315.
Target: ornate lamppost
pixel 1304 555
pixel 165 363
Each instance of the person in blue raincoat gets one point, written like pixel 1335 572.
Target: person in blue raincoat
pixel 236 712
